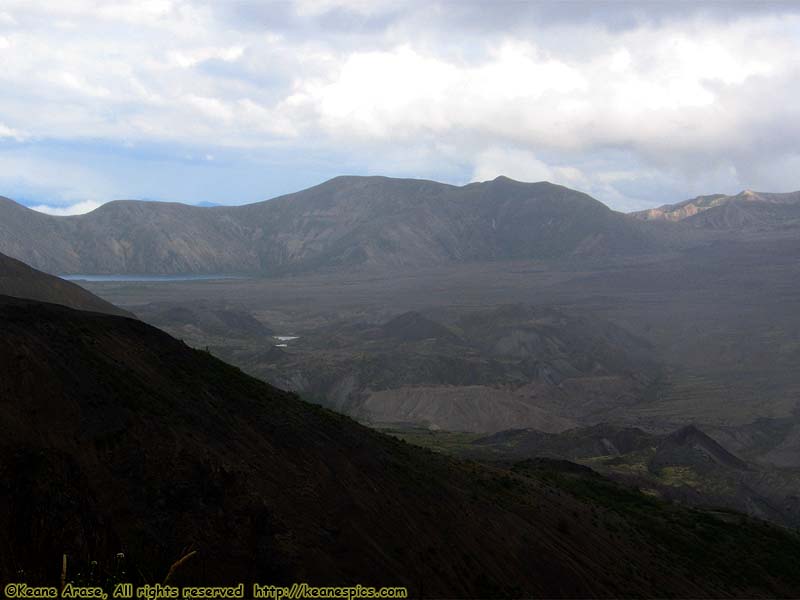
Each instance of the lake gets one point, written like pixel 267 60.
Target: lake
pixel 148 278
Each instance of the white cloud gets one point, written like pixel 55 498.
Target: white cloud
pixel 78 208
pixel 679 96
pixel 516 164
pixel 192 57
pixel 401 92
pixel 134 12
pixel 524 166
pixel 519 93
pixel 620 61
pixel 7 132
pixel 80 85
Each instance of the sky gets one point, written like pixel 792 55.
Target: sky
pixel 236 101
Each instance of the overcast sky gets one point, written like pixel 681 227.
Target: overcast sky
pixel 230 102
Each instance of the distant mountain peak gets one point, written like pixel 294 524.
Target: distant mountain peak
pixel 503 178
pixel 748 209
pixel 751 196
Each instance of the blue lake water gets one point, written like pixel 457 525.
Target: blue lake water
pixel 148 278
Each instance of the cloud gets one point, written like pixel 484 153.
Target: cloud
pixel 195 56
pixel 7 132
pixel 523 166
pixel 402 93
pixel 576 92
pixel 78 208
pixel 519 93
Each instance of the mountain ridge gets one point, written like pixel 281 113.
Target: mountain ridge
pixel 747 210
pixel 348 221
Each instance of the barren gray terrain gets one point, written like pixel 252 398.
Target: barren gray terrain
pixel 721 322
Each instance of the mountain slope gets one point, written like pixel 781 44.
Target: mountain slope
pixel 689 445
pixel 347 221
pixel 208 319
pixel 19 280
pixel 746 211
pixel 118 437
pixel 585 442
pixel 686 465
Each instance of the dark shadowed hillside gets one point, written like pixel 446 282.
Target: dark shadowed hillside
pixel 118 437
pixel 347 221
pixel 19 280
pixel 685 465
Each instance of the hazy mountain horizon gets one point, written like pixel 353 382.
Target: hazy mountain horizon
pixel 344 222
pixel 375 221
pixel 40 207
